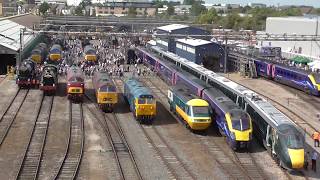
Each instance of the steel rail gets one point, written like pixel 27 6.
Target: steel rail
pixel 73 155
pixel 118 142
pixel 32 158
pixel 11 113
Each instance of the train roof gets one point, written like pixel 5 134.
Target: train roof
pixel 75 73
pixel 186 95
pixel 102 78
pixel 284 66
pixel 55 46
pixel 221 100
pixel 50 66
pixel 259 104
pixel 89 48
pixel 137 89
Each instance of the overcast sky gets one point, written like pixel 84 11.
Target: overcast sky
pixel 315 3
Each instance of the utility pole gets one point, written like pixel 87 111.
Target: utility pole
pixel 20 50
pixel 225 52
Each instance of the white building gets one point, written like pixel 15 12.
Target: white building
pixel 38 2
pixel 294 26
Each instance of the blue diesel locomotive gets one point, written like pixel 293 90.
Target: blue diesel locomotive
pixel 141 101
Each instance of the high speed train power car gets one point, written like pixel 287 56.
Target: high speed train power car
pixel 192 110
pixel 141 101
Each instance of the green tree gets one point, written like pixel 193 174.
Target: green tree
pixel 188 2
pixel 78 11
pixel 132 12
pixel 170 10
pixel 197 8
pixel 208 17
pixel 43 8
pixel 85 3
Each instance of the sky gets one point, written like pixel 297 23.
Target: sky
pixel 315 3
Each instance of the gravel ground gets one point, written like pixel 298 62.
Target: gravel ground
pixel 8 89
pixel 18 136
pixel 98 158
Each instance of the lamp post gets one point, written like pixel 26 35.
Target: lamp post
pixel 22 30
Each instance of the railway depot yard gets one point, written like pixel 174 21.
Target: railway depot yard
pixel 119 106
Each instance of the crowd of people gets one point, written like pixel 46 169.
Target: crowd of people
pixel 111 58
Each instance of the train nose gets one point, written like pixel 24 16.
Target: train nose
pixel 297 158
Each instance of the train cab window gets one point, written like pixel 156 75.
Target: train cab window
pixel 75 79
pixel 294 141
pixel 240 120
pixel 317 78
pixel 146 101
pixel 107 89
pixel 200 111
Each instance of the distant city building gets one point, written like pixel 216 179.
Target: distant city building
pixel 38 2
pixel 9 7
pixel 122 8
pixel 233 6
pixel 257 5
pixel 0 7
pixel 182 9
pixel 176 30
pixel 163 10
pixel 294 26
pixel 218 7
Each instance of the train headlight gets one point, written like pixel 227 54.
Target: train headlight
pixel 53 85
pixel 69 84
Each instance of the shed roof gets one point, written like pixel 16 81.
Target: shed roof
pixel 194 42
pixel 10 35
pixel 172 27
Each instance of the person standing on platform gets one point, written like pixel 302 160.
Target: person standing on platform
pixel 314 158
pixel 316 137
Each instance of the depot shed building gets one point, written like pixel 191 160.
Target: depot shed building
pixel 10 43
pixel 200 51
pixel 166 35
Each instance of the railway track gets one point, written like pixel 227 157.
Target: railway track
pixel 126 163
pixel 33 154
pixel 177 169
pixel 174 164
pixel 11 112
pixel 245 166
pixel 72 159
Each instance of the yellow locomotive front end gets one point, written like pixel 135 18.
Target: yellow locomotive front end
pixel 55 57
pixel 199 117
pixel 240 128
pixel 145 108
pixel 90 57
pixel 36 58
